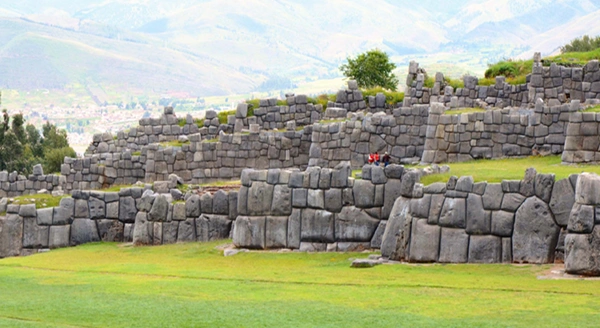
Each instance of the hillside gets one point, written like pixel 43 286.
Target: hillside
pixel 208 48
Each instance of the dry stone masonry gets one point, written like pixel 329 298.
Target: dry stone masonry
pixel 295 162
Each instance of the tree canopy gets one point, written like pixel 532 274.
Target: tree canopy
pixel 583 44
pixel 371 69
pixel 22 146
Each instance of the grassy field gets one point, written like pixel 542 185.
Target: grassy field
pixel 193 285
pixel 510 169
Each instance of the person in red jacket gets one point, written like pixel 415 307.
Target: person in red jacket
pixel 371 159
pixel 377 158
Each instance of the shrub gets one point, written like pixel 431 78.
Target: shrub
pixel 54 158
pixel 391 97
pixel 222 115
pixel 455 83
pixel 583 44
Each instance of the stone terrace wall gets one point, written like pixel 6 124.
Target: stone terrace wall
pixel 401 134
pixel 12 184
pixel 520 221
pixel 200 160
pixel 555 85
pixel 269 116
pixel 582 141
pixel 133 214
pixel 582 242
pixel 150 130
pixel 496 133
pixel 501 94
pixel 318 209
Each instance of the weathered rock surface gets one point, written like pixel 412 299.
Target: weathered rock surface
pixel 535 233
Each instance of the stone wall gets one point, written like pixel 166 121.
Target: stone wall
pixel 496 133
pixel 132 214
pixel 554 84
pixel 582 141
pixel 269 116
pixel 582 242
pixel 203 160
pixel 319 209
pixel 401 134
pixel 520 221
pixel 13 184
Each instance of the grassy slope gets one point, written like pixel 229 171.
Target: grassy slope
pixel 510 169
pixel 194 285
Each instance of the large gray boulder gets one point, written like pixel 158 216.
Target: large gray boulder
pixel 535 233
pixel 317 226
pixel 485 249
pixel 502 223
pixel 424 241
pixel 582 253
pixel 562 200
pixel 249 232
pixel 169 232
pixel 378 235
pixel 34 235
pixel 492 198
pixel 276 231
pixel 260 197
pixel 212 227
pixel 293 229
pixel 220 203
pixel 282 200
pixel 186 231
pixel 59 236
pixel 364 193
pixel 396 237
pixel 63 214
pixel 354 224
pixel 159 210
pixel 478 220
pixel 454 246
pixel 192 206
pixel 453 213
pixel 390 194
pixel 581 219
pixel 143 230
pixel 11 235
pixel 127 210
pixel 97 208
pixel 111 230
pixel 588 189
pixel 84 231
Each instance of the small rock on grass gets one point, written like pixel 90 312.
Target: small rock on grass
pixel 233 251
pixel 364 263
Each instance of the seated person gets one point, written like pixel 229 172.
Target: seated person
pixel 386 159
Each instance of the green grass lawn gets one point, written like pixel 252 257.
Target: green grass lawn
pixel 496 170
pixel 193 285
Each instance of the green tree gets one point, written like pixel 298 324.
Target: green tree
pixel 583 44
pixel 18 129
pixel 11 153
pixel 371 69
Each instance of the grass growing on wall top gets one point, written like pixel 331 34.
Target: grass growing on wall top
pixel 222 115
pixel 185 285
pixel 594 109
pixel 391 97
pixel 464 111
pixel 40 200
pixel 510 169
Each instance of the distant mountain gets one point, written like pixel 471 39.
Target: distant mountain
pixel 216 47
